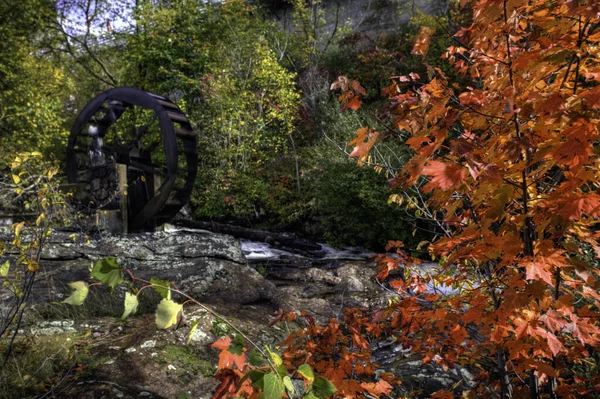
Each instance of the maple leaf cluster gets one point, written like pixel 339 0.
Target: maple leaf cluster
pixel 331 360
pixel 508 157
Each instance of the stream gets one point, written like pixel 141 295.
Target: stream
pixel 262 253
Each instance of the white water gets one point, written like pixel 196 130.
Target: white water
pixel 262 251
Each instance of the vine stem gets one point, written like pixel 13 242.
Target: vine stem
pixel 209 310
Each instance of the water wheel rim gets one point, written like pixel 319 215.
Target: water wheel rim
pixel 154 211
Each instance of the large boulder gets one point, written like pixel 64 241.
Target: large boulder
pixel 209 267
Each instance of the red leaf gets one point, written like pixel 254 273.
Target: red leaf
pixel 592 97
pixel 538 270
pixel 423 41
pixel 228 359
pixel 353 104
pixel 574 207
pixel 358 88
pixel 443 394
pixel 376 389
pixel 361 150
pixel 554 344
pixel 444 175
pixel 228 384
pixel 553 320
pixel 222 343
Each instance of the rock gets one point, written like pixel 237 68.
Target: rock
pixel 210 267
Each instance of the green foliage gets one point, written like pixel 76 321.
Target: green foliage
pixel 232 87
pixel 4 269
pixel 323 388
pixel 38 363
pixel 162 287
pixel 167 313
pixel 354 205
pixel 272 386
pixel 131 305
pixel 193 329
pixel 33 88
pixel 80 292
pixel 257 195
pixel 373 58
pixel 108 272
pixel 306 372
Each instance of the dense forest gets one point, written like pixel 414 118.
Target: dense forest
pixel 273 144
pixel 465 133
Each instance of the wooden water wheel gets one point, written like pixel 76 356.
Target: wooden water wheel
pixel 149 136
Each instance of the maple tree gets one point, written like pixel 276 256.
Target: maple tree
pixel 510 164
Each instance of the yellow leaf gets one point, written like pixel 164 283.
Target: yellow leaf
pixel 40 219
pixel 18 227
pixel 16 179
pixel 32 266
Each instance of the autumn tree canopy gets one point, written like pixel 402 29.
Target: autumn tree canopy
pixel 509 157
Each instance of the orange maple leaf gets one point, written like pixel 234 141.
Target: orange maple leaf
pixel 443 175
pixel 353 104
pixel 378 388
pixel 226 358
pixel 539 270
pixel 222 343
pixel 554 344
pixel 574 207
pixel 362 148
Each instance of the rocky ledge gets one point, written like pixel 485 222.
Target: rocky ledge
pixel 210 267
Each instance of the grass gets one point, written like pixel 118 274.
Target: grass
pixel 38 364
pixel 187 359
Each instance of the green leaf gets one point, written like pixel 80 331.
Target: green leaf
pixel 184 395
pixel 131 305
pixel 306 372
pixel 256 360
pixel 323 387
pixel 166 313
pixel 287 381
pixel 273 387
pixel 256 376
pixel 80 292
pixel 309 395
pixel 108 272
pixel 192 331
pixel 4 269
pixel 237 345
pixel 282 370
pixel 162 287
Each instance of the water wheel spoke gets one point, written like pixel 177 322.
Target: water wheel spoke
pixel 147 168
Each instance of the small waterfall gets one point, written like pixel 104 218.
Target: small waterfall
pixel 95 148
